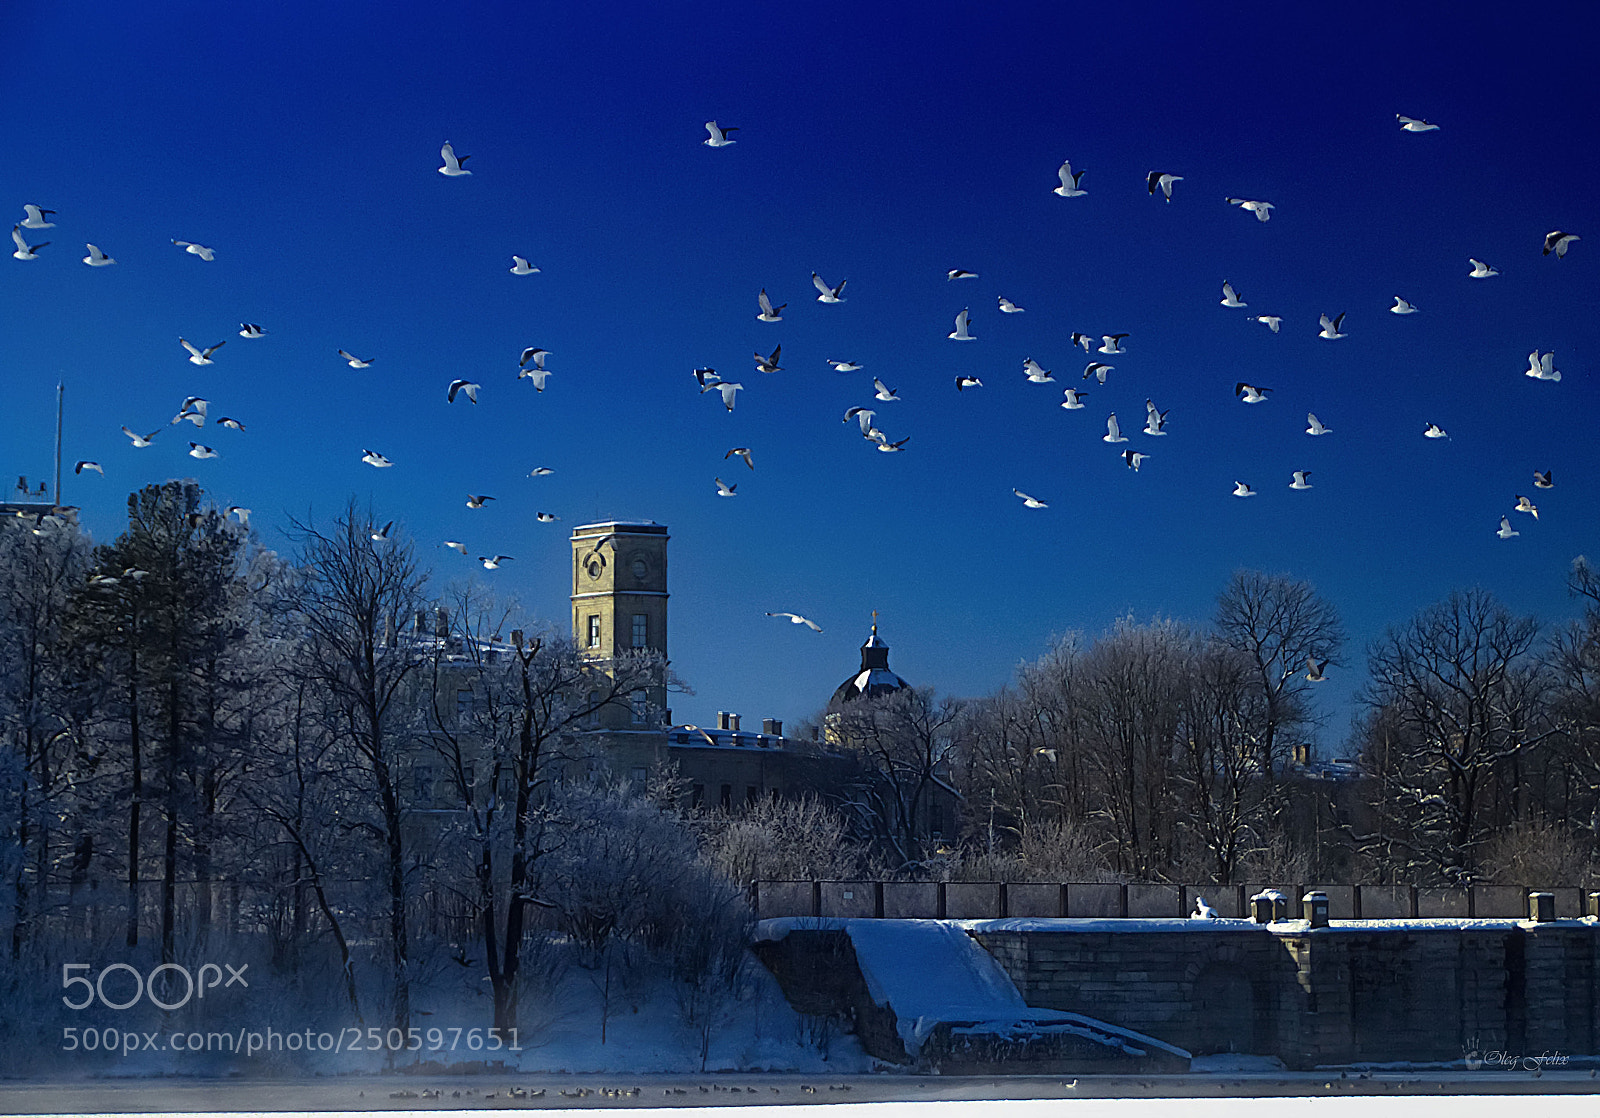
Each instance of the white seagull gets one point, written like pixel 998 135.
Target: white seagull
pixel 769 313
pixel 521 267
pixel 381 535
pixel 534 354
pixel 202 251
pixel 199 356
pixel 477 501
pixel 373 458
pixel 1250 393
pixel 1330 327
pixel 1262 210
pixel 463 386
pixel 1434 431
pixel 1240 489
pixel 1134 459
pixel 240 512
pixel 964 381
pixel 138 439
pixel 1030 502
pixel 1402 307
pixel 97 468
pixel 1300 481
pixel 828 294
pixel 844 366
pixel 540 471
pixel 35 218
pixel 1540 480
pixel 884 444
pixel 230 423
pixel 884 392
pixel 1556 241
pixel 718 137
pixel 491 562
pixel 1008 307
pixel 1480 270
pixel 25 251
pixel 1523 505
pixel 728 388
pixel 1111 343
pixel 863 416
pixel 960 273
pixel 356 362
pixel 796 619
pixel 198 451
pixel 538 375
pixel 724 489
pixel 769 364
pixel 1314 425
pixel 1411 124
pixel 1163 180
pixel 1085 341
pixel 251 330
pixel 961 333
pixel 96 258
pixel 1113 431
pixel 452 163
pixel 1270 321
pixel 1069 187
pixel 1035 372
pixel 1542 366
pixel 194 410
pixel 742 452
pixel 1506 530
pixel 1072 399
pixel 456 546
pixel 1230 297
pixel 1314 669
pixel 1155 420
pixel 546 517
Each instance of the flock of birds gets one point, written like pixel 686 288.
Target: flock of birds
pixel 532 362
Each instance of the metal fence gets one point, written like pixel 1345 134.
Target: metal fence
pixel 983 900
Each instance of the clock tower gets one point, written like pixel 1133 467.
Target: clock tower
pixel 619 605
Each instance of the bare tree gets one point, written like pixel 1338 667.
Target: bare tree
pixel 1458 705
pixel 1278 623
pixel 1222 794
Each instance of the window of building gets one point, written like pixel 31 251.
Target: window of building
pixel 641 631
pixel 936 819
pixel 752 795
pixel 422 785
pixel 727 797
pixel 463 701
pixel 640 702
pixel 639 776
pixel 697 795
pixel 594 630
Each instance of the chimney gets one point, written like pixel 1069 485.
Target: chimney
pixel 722 719
pixel 421 621
pixel 733 723
pixel 1541 907
pixel 441 623
pixel 772 726
pixel 516 638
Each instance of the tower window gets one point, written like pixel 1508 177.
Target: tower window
pixel 594 630
pixel 640 702
pixel 752 795
pixel 641 630
pixel 727 797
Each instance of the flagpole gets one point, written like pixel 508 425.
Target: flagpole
pixel 60 393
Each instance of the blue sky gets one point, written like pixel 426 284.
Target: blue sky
pixel 301 141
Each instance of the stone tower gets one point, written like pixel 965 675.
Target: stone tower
pixel 619 603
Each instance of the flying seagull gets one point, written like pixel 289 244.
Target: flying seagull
pixel 79 467
pixel 1506 530
pixel 1164 180
pixel 1134 459
pixel 724 489
pixel 1541 480
pixel 960 273
pixel 545 517
pixel 202 251
pixel 1556 241
pixel 25 251
pixel 456 546
pixel 1230 297
pixel 1030 502
pixel 1035 372
pixel 796 619
pixel 844 366
pixel 769 313
pixel 138 439
pixel 1541 366
pixel 1330 327
pixel 96 258
pixel 201 357
pixel 1113 431
pixel 1314 669
pixel 475 501
pixel 718 137
pixel 1300 481
pixel 1111 343
pixel 742 452
pixel 828 294
pixel 960 333
pixel 538 374
pixel 884 392
pixel 863 416
pixel 452 163
pixel 1314 425
pixel 1262 210
pixel 1008 307
pixel 491 562
pixel 1434 431
pixel 1240 489
pixel 1270 321
pixel 1411 124
pixel 373 458
pixel 198 451
pixel 1250 393
pixel 534 354
pixel 35 218
pixel 1085 341
pixel 1069 187
pixel 1525 505
pixel 769 364
pixel 884 444
pixel 194 410
pixel 354 361
pixel 1072 399
pixel 1155 422
pixel 540 471
pixel 1480 270
pixel 231 423
pixel 964 381
pixel 521 267
pixel 381 535
pixel 251 330
pixel 241 513
pixel 728 389
pixel 466 387
pixel 1402 307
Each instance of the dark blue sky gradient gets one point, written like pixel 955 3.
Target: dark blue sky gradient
pixel 301 141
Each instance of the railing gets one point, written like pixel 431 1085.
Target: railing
pixel 983 900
